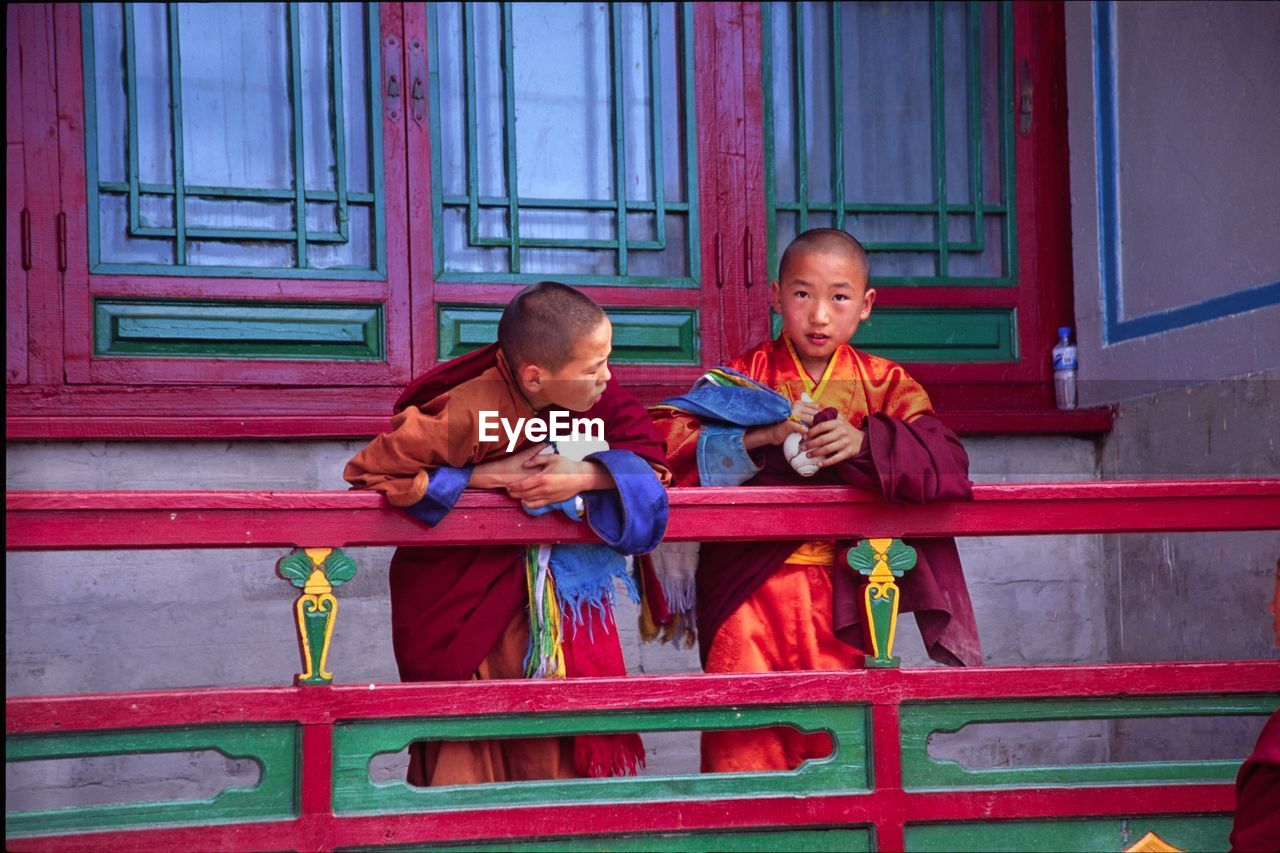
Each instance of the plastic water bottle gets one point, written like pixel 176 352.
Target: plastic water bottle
pixel 1064 370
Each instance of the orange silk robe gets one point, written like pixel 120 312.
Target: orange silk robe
pixel 443 431
pixel 785 618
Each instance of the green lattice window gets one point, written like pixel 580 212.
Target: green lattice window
pixel 238 139
pixel 563 143
pixel 892 121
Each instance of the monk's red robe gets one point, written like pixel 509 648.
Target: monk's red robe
pixel 1256 827
pixel 460 612
pixel 784 605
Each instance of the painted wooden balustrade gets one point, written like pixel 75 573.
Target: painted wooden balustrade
pixel 880 789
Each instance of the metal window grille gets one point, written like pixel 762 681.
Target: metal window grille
pixel 893 121
pixel 564 143
pixel 166 88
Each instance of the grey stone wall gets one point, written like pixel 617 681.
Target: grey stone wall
pixel 1192 596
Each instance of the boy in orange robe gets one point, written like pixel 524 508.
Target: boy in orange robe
pixel 464 612
pixel 769 606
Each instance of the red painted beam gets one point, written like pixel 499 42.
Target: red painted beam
pixel 106 520
pixel 785 812
pixel 881 688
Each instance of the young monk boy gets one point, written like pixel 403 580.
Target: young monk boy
pixel 464 612
pixel 766 606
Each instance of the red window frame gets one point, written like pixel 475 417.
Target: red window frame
pixel 56 390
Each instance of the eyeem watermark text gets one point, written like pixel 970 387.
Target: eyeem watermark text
pixel 558 427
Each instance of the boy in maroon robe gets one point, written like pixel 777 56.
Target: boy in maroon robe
pixel 463 612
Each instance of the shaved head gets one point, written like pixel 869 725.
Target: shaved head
pixel 825 240
pixel 542 324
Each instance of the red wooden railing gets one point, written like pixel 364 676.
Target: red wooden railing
pixel 53 521
pixel 133 520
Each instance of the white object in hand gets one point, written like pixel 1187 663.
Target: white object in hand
pixel 798 458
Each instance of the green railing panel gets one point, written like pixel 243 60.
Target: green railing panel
pixel 275 747
pixel 862 103
pixel 843 840
pixel 920 720
pixel 640 335
pixel 355 743
pixel 629 219
pixel 300 216
pixel 238 330
pixel 1209 833
pixel 945 335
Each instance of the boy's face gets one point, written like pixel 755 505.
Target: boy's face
pixel 822 296
pixel 578 383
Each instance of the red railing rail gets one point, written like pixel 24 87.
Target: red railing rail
pixel 67 520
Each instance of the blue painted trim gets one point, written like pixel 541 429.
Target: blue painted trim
pixel 1116 328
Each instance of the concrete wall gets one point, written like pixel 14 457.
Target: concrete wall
pixel 1173 116
pixel 114 621
pixel 1192 596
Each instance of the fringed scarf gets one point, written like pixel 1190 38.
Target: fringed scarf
pixel 572 631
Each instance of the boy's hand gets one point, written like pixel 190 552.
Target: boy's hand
pixel 557 478
pixel 500 473
pixel 771 434
pixel 833 441
pixel 802 412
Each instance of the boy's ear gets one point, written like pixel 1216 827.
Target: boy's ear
pixel 868 299
pixel 775 291
pixel 530 377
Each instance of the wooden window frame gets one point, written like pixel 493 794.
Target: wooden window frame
pixel 56 391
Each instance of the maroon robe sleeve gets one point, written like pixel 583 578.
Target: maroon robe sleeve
pixel 916 462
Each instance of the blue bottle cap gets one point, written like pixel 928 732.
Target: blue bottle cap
pixel 1064 331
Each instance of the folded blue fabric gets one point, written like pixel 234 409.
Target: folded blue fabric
pixel 722 456
pixel 584 577
pixel 569 506
pixel 632 518
pixel 444 486
pixel 754 405
pixel 726 412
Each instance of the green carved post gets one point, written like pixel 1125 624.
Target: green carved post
pixel 316 571
pixel 880 561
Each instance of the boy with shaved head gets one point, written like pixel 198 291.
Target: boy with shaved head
pixel 852 418
pixel 465 612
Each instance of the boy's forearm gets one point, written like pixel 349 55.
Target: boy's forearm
pixel 596 476
pixel 757 437
pixel 487 480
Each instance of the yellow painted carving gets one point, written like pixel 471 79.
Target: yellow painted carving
pixel 879 584
pixel 316 603
pixel 317 584
pixel 317 593
pixel 1152 843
